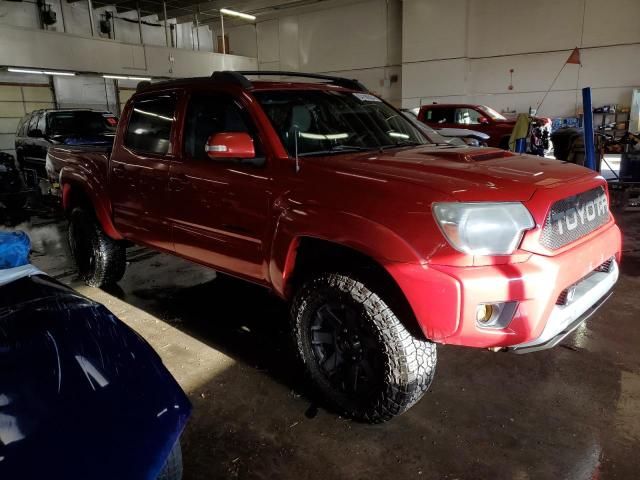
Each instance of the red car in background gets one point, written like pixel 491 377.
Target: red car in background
pixel 480 117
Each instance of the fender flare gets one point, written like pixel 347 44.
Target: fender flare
pixel 340 228
pixel 72 181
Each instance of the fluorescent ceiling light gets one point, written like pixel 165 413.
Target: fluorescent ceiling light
pixel 233 13
pixel 123 77
pixel 398 135
pixel 320 136
pixel 40 72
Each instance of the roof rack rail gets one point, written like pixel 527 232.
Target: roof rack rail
pixel 240 78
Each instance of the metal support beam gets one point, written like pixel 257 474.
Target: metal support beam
pixel 589 147
pixel 91 21
pixel 197 26
pixel 224 44
pixel 166 26
pixel 139 23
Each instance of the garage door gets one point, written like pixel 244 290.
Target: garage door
pixel 16 100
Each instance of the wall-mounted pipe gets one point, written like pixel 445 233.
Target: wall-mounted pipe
pixel 92 24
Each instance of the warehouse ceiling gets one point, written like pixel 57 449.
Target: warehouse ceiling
pixel 207 11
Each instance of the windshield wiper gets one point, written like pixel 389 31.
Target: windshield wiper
pixel 338 149
pixel 347 148
pixel 401 144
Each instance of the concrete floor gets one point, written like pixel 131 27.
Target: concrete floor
pixel 569 413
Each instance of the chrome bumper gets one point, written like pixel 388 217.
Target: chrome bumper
pixel 589 295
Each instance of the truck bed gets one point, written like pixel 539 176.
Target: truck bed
pixel 82 161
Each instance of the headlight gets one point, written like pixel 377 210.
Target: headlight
pixel 472 142
pixel 483 228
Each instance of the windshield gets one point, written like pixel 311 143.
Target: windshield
pixel 81 123
pixel 322 122
pixel 493 114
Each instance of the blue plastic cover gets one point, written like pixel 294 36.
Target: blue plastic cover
pixel 14 249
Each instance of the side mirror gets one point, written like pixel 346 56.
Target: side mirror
pixel 36 133
pixel 483 120
pixel 230 145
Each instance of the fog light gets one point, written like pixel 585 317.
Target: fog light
pixel 484 312
pixel 495 315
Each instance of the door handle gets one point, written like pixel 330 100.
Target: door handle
pixel 118 171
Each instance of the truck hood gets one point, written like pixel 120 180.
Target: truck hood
pixel 466 174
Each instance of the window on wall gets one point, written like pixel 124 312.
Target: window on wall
pixel 150 125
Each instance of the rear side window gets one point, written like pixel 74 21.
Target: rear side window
pixel 150 124
pixel 42 123
pixel 22 126
pixel 439 115
pixel 33 122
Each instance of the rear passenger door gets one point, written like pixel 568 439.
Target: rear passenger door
pixel 139 170
pixel 220 208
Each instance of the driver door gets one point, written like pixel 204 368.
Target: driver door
pixel 220 213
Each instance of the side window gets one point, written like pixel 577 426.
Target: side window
pixel 441 115
pixel 33 123
pixel 211 114
pixel 42 123
pixel 466 116
pixel 22 127
pixel 150 124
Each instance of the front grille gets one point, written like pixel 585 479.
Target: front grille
pixel 605 267
pixel 574 217
pixel 566 296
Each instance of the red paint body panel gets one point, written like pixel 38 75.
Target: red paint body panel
pixel 248 220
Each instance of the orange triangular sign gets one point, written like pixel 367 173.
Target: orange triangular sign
pixel 574 57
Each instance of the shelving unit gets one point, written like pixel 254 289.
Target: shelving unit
pixel 602 119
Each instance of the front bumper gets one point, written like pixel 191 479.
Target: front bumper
pixel 444 299
pixel 590 294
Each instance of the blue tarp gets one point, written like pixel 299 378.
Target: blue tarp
pixel 14 249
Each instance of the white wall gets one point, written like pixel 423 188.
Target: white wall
pixel 74 18
pixel 54 50
pixel 462 51
pixel 353 39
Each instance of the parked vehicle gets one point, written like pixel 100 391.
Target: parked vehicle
pixel 479 117
pixel 42 128
pixel 13 193
pixel 384 243
pixel 452 136
pixel 82 395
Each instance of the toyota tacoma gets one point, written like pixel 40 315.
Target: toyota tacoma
pixel 384 244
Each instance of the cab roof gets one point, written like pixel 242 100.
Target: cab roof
pixel 320 82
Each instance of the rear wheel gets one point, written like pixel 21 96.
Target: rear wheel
pixel 357 352
pixel 100 260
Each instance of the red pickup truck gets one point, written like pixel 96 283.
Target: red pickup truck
pixel 477 117
pixel 384 244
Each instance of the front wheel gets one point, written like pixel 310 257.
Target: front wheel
pixel 357 352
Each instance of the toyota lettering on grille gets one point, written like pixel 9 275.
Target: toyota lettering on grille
pixel 574 217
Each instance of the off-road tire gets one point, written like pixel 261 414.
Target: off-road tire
pixel 172 468
pixel 100 260
pixel 407 364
